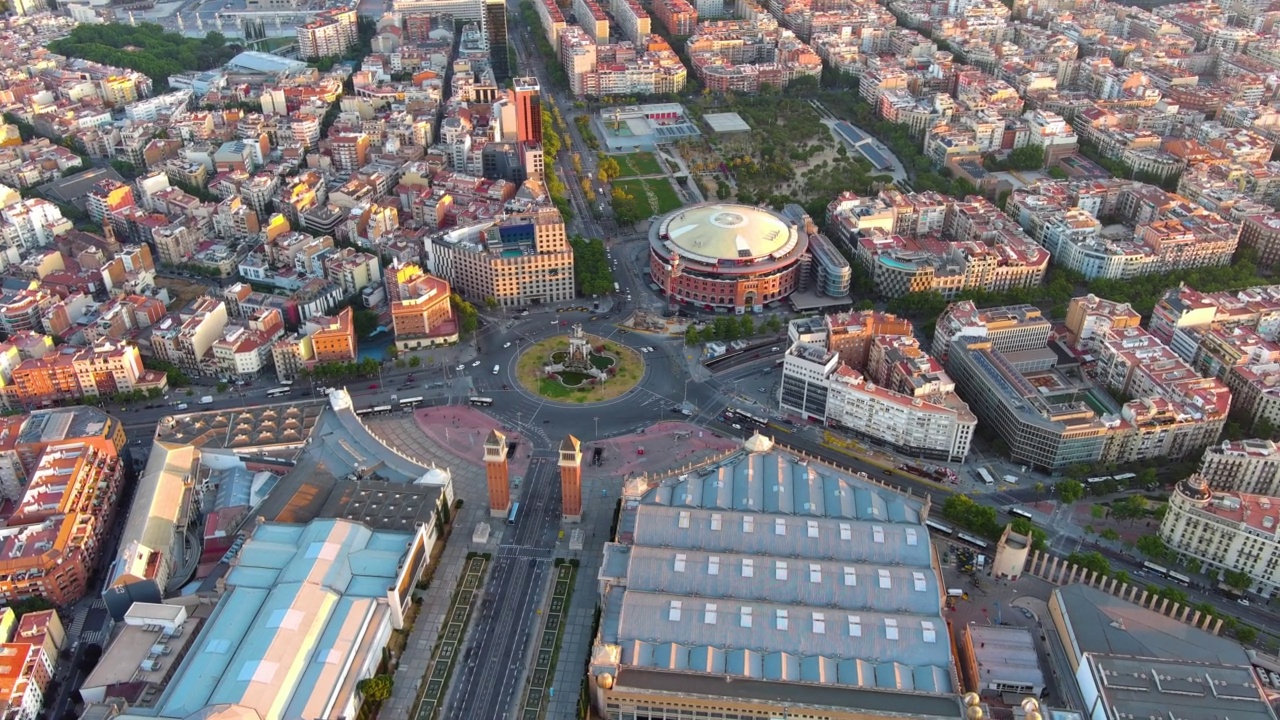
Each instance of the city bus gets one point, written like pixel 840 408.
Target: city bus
pixel 1179 578
pixel 481 401
pixel 1096 480
pixel 1019 512
pixel 744 415
pixel 965 537
pixel 278 392
pixel 1125 477
pixel 986 476
pixel 938 527
pixel 379 409
pixel 1151 567
pixel 511 516
pixel 286 383
pixel 410 402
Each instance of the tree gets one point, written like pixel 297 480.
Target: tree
pixel 1109 534
pixel 1039 488
pixel 1070 491
pixel 1153 547
pixel 1246 634
pixel 1091 561
pixel 1236 579
pixel 415 361
pixel 468 318
pixel 691 336
pixel 376 688
pixel 222 388
pixel 1130 508
pixel 392 352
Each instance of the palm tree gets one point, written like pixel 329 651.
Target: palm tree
pixel 1039 487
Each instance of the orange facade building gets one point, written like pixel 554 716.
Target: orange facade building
pixel 336 342
pixel 421 314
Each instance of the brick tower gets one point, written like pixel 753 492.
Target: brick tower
pixel 495 467
pixel 570 479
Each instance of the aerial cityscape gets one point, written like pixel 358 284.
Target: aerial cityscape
pixel 640 360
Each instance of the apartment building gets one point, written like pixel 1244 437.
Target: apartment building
pixel 329 34
pixel 865 372
pixel 106 197
pixel 352 270
pixel 1012 328
pixel 1243 466
pixel 517 259
pixel 677 16
pixel 106 368
pixel 1176 413
pixel 186 338
pixel 25 674
pixel 1181 316
pixel 55 534
pixel 1256 389
pixel 1091 319
pixel 1226 532
pixel 321 339
pixel 421 312
pixel 1262 233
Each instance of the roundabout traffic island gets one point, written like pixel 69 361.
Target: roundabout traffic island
pixel 579 368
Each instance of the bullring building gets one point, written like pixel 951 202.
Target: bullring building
pixel 729 257
pixel 771 586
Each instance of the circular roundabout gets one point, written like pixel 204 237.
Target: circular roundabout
pixel 578 369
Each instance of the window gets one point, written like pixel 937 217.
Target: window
pixel 716 520
pixel 846 531
pixel 911 536
pixel 779 526
pixel 930 635
pixel 815 573
pixel 855 626
pixel 713 565
pixel 850 576
pixel 748 567
pixel 918 579
pixel 780 619
pixel 709 614
pixel 679 565
pixel 885 581
pixel 673 613
pixel 812 526
pixel 780 570
pixel 744 616
pixel 891 628
pixel 684 518
pixel 748 524
pixel 877 533
pixel 819 624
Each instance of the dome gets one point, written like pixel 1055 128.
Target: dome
pixel 434 476
pixel 971 699
pixel 605 681
pixel 1195 488
pixel 714 232
pixel 757 443
pixel 973 712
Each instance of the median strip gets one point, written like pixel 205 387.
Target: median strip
pixel 436 678
pixel 544 667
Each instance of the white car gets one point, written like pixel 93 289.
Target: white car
pixel 462 367
pixel 506 345
pixel 736 426
pixel 475 364
pixel 1243 602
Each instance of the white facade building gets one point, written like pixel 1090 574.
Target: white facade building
pixel 1225 531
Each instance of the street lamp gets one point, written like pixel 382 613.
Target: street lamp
pixel 686 391
pixel 597 421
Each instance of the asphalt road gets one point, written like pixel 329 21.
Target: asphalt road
pixel 490 678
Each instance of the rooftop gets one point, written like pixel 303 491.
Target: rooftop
pixel 715 233
pixel 281 641
pixel 769 566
